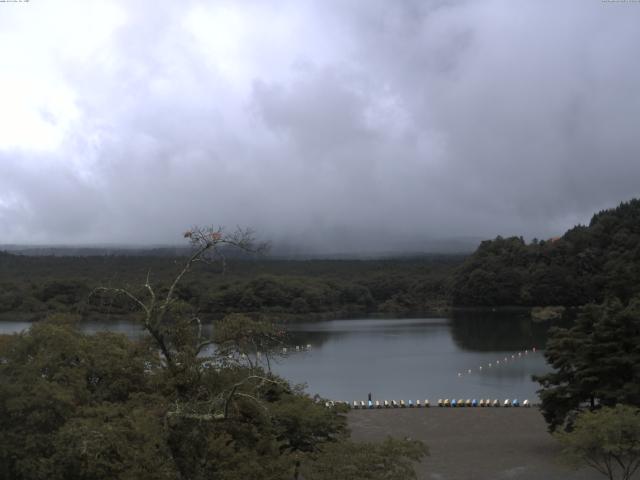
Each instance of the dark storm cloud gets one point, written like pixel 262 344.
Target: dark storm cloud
pixel 341 124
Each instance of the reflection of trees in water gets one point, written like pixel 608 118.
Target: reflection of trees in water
pixel 134 329
pixel 379 327
pixel 471 330
pixel 500 330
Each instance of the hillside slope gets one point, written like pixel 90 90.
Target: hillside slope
pixel 585 265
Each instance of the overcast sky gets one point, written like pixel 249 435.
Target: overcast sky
pixel 331 122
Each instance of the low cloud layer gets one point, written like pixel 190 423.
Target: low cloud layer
pixel 336 124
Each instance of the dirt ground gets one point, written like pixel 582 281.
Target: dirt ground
pixel 472 443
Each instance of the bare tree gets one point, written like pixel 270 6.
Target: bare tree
pixel 178 333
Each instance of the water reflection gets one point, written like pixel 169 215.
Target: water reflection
pixel 501 330
pixel 403 358
pixel 13 327
pixel 317 333
pixel 129 328
pixel 418 358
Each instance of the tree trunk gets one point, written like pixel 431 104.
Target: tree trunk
pixel 296 471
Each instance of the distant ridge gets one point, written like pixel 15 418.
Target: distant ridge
pixel 458 245
pixel 90 251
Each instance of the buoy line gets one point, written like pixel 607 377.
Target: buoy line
pixel 503 361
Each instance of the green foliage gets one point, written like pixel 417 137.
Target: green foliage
pixel 302 426
pixel 77 406
pixel 66 292
pixel 595 362
pixel 10 297
pixel 53 375
pixel 107 441
pixel 607 440
pixel 584 266
pixel 279 288
pixel 247 340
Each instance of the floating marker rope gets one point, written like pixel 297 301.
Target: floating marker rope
pixel 505 360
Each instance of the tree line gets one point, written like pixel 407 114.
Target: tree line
pixel 36 286
pixel 586 265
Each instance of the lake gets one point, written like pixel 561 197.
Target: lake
pixel 404 358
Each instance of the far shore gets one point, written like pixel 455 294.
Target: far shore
pixel 290 318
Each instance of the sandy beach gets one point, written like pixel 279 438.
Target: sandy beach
pixel 473 443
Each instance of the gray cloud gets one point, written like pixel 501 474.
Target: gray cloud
pixel 342 125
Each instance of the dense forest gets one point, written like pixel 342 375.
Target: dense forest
pixel 585 265
pixel 31 287
pixel 91 407
pixel 83 406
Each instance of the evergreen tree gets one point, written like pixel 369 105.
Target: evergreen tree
pixel 596 362
pixel 585 265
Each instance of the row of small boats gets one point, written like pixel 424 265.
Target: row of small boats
pixel 482 403
pixel 446 403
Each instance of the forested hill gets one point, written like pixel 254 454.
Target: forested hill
pixel 35 287
pixel 587 264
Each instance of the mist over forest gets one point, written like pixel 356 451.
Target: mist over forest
pixel 225 224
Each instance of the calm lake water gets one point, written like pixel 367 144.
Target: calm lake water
pixel 396 358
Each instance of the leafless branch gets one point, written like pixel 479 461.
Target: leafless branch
pixel 122 291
